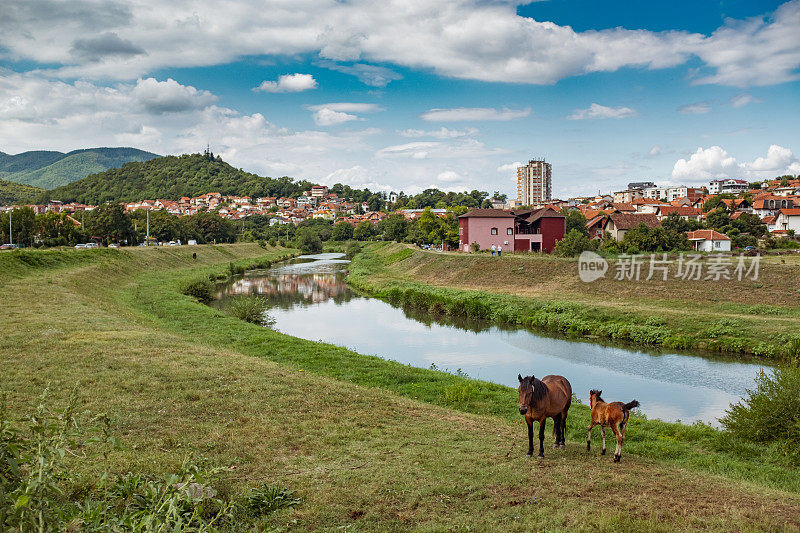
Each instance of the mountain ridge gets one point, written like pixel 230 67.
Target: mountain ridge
pixel 49 169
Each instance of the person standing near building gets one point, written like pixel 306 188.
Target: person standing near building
pixel 499 249
pixel 493 249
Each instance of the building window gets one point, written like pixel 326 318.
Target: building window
pixel 494 231
pixel 510 231
pixel 461 231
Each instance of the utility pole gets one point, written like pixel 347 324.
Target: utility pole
pixel 10 237
pixel 147 241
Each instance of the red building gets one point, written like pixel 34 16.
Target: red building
pixel 512 231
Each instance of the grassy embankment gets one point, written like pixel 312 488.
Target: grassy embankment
pixel 359 438
pixel 748 317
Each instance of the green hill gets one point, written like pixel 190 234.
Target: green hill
pixel 172 177
pixel 17 193
pixel 48 170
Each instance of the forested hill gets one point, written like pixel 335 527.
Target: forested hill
pixel 170 178
pixel 16 193
pixel 48 169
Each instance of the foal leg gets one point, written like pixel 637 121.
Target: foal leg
pixel 589 437
pixel 618 451
pixel 603 431
pixel 542 423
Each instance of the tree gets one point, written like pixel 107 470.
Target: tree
pixel 575 221
pixel 109 223
pixel 718 218
pixel 307 240
pixel 209 228
pixel 364 231
pixel 23 226
pixel 342 231
pixel 574 243
pixel 394 228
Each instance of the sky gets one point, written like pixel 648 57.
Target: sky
pixel 410 94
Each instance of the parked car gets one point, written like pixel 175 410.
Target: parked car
pixel 173 243
pixel 92 245
pixel 191 242
pixel 748 248
pixel 113 245
pixel 8 246
pixel 79 246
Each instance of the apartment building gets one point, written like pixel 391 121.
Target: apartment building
pixel 534 182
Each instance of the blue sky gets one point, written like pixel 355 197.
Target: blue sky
pixel 407 95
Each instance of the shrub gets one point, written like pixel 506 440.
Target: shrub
pixel 202 290
pixel 251 309
pixel 268 499
pixel 353 248
pixel 770 413
pixel 574 243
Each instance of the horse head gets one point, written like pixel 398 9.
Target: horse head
pixel 526 388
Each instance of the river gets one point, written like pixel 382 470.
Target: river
pixel 310 299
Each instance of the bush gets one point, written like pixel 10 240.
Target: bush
pixel 574 243
pixel 251 309
pixel 202 290
pixel 352 249
pixel 307 240
pixel 770 413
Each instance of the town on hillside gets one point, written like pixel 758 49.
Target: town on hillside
pixel 532 222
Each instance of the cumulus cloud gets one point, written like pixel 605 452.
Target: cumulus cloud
pixel 289 83
pixel 698 108
pixel 715 162
pixel 441 133
pixel 510 167
pixel 601 111
pixel 468 39
pixel 329 117
pixel 169 96
pixel 104 45
pixel 372 75
pixel 474 113
pixel 449 176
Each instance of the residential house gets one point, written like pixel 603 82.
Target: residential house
pixel 618 224
pixel 788 219
pixel 709 240
pixel 727 185
pixel 686 213
pixel 514 231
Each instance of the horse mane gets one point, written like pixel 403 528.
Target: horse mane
pixel 596 393
pixel 540 390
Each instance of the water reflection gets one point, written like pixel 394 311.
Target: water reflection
pixel 311 300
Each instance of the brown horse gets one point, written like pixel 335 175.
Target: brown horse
pixel 614 415
pixel 539 400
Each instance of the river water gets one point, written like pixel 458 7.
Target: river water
pixel 310 299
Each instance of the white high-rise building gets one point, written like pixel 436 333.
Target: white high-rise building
pixel 534 182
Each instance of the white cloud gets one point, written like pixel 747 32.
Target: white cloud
pixel 510 167
pixel 449 176
pixel 346 107
pixel 755 51
pixel 468 39
pixel 441 133
pixel 741 100
pixel 456 149
pixel 601 111
pixel 654 151
pixel 474 113
pixel 169 96
pixel 714 162
pixel 699 108
pixel 329 117
pixel 289 83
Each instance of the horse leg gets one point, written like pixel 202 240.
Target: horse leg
pixel 530 436
pixel 564 429
pixel 603 431
pixel 557 430
pixel 589 437
pixel 542 424
pixel 618 451
pixel 624 425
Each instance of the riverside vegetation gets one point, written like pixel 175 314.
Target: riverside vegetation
pixel 751 317
pixel 183 384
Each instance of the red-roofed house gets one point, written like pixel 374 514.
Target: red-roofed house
pixel 709 240
pixel 788 219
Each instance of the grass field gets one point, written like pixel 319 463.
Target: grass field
pixel 761 318
pixel 368 444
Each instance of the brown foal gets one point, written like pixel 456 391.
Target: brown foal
pixel 539 400
pixel 614 415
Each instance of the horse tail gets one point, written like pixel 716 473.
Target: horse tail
pixel 630 405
